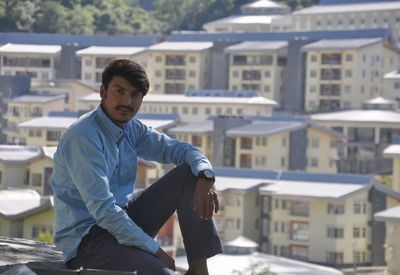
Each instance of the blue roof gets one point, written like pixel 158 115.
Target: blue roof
pixel 62 114
pixel 293 176
pixel 274 36
pixel 79 40
pixel 341 2
pixel 158 116
pixel 224 93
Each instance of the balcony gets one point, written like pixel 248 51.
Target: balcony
pixel 331 59
pixel 251 75
pixel 331 74
pixel 175 60
pixel 329 105
pixel 175 74
pixel 330 90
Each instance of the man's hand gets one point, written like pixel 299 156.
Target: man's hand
pixel 205 199
pixel 160 254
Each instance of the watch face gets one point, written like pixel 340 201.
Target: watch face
pixel 209 174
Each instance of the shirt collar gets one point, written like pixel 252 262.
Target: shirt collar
pixel 108 125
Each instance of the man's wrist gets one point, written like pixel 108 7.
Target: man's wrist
pixel 207 174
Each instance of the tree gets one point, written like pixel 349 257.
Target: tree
pixel 50 18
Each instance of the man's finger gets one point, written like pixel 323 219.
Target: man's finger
pixel 216 202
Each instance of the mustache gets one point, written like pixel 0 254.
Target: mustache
pixel 124 108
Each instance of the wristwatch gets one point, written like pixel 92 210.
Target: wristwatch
pixel 207 174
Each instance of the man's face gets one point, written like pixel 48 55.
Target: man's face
pixel 121 101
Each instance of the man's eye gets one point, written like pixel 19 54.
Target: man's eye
pixel 120 91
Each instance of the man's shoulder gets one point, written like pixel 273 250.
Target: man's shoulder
pixel 86 125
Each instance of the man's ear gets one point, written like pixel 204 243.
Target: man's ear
pixel 103 92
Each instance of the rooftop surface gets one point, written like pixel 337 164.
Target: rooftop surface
pixel 264 4
pixel 35 99
pixel 49 123
pixel 30 49
pixel 245 19
pixel 359 116
pixel 18 154
pixel 265 128
pixel 340 44
pixel 181 46
pixel 257 46
pixel 110 51
pixel 351 7
pixel 389 215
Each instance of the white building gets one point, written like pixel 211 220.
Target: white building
pixel 94 59
pixel 259 16
pixel 37 61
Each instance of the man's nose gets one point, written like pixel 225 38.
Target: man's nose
pixel 127 99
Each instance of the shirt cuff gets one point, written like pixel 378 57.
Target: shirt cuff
pixel 153 246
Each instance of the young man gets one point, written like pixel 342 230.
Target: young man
pixel 100 223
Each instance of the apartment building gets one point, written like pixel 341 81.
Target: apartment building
pixel 391 216
pixel 25 214
pixel 258 16
pixel 342 74
pixel 265 143
pixel 177 67
pixel 197 106
pixel 258 65
pixel 391 85
pixel 28 107
pixel 94 59
pixel 369 131
pixel 73 89
pixel 349 15
pixel 36 61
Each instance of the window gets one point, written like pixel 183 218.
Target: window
pixel 284 227
pixel 314 143
pixel 196 140
pixel 396 85
pixel 207 111
pixel 276 203
pixel 267 74
pixel 31 133
pixel 235 74
pixel 53 135
pixel 313 73
pixel 285 204
pixel 1 177
pixel 230 200
pixel 267 88
pixel 265 227
pixel 38 229
pixel 229 224
pixel 88 62
pixel 299 252
pixel 158 59
pixel 88 76
pixel 36 179
pixel 348 73
pixel 192 59
pixel 313 58
pixel 276 227
pixel 335 233
pixel 192 73
pixel 334 257
pixel 245 161
pixel 283 142
pixel 195 110
pixel 314 162
pixel 356 232
pixel 283 162
pixel 157 87
pixel 335 208
pixel 185 110
pixel 313 88
pixel 238 224
pixel 158 73
pixel 246 143
pixel 300 208
pixel 349 57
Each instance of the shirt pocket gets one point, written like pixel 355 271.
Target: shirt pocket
pixel 127 170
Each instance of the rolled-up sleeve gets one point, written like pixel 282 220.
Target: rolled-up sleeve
pixel 89 172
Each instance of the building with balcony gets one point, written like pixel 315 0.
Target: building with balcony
pixel 94 59
pixel 177 67
pixel 28 107
pixel 349 15
pixel 342 74
pixel 274 143
pixel 259 16
pixel 369 131
pixel 36 61
pixel 197 106
pixel 258 66
pixel 391 85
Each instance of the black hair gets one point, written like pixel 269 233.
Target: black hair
pixel 130 71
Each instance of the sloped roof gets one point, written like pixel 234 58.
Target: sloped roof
pixel 392 75
pixel 257 46
pixel 238 185
pixel 244 20
pixel 242 242
pixel 392 151
pixel 265 128
pixel 109 51
pixel 340 44
pixel 30 49
pixel 49 151
pixel 202 127
pixel 389 215
pixel 380 100
pixel 263 4
pixel 35 99
pixel 19 154
pixel 360 116
pixel 345 8
pixel 181 46
pixel 49 123
pixel 19 203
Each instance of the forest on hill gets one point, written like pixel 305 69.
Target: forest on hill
pixel 118 16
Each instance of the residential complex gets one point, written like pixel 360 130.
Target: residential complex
pixel 341 74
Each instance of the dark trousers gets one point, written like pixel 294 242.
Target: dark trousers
pixel 150 209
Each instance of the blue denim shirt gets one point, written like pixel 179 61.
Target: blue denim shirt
pixel 94 174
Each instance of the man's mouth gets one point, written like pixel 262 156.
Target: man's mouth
pixel 124 109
